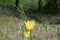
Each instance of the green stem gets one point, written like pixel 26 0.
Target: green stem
pixel 57 33
pixel 21 11
pixel 30 35
pixel 46 31
pixel 58 29
pixel 22 32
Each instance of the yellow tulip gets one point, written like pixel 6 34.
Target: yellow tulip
pixel 30 25
pixel 27 34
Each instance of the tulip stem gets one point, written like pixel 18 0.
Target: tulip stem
pixel 46 31
pixel 57 33
pixel 22 32
pixel 31 35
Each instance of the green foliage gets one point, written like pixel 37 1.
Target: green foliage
pixel 44 2
pixel 29 4
pixel 45 5
pixel 6 2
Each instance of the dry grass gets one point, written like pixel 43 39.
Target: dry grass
pixel 10 29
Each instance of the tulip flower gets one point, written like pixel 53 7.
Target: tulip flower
pixel 27 34
pixel 30 25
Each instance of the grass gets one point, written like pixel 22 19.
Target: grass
pixel 10 29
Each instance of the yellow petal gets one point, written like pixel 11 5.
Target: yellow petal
pixel 27 34
pixel 30 25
